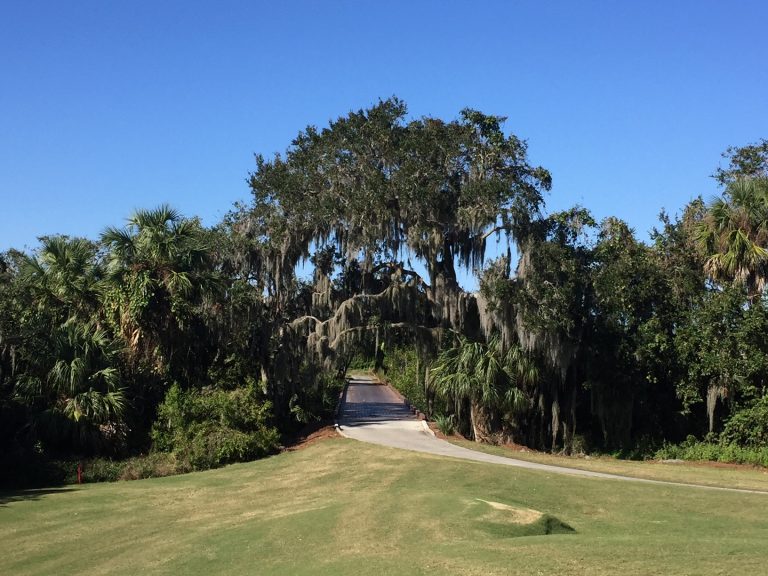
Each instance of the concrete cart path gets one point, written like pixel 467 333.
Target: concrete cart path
pixel 372 412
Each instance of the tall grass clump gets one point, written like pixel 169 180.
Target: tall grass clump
pixel 446 424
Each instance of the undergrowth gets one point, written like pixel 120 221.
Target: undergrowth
pixel 404 372
pixel 446 424
pixel 692 449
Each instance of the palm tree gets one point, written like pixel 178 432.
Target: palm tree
pixel 71 384
pixel 84 376
pixel 734 235
pixel 64 277
pixel 158 268
pixel 79 382
pixel 485 376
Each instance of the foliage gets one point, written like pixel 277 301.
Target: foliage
pixel 379 184
pixel 630 335
pixel 404 370
pixel 750 161
pixel 362 199
pixel 360 363
pixel 158 268
pixel 318 398
pixel 64 364
pixel 715 452
pixel 82 382
pixel 733 235
pixel 591 337
pixel 210 428
pixel 63 278
pixel 485 376
pixel 446 424
pixel 748 427
pixel 544 309
pixel 723 348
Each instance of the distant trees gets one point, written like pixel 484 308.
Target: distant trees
pixel 93 334
pixel 365 199
pixel 158 268
pixel 750 161
pixel 733 235
pixel 207 343
pixel 490 379
pixel 74 392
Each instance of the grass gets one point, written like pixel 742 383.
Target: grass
pixel 343 507
pixel 705 474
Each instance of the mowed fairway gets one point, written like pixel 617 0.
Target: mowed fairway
pixel 344 507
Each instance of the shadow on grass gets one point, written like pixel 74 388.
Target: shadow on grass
pixel 544 526
pixel 10 496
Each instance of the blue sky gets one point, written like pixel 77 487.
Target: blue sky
pixel 106 107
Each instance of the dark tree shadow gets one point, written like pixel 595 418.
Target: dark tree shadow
pixel 9 496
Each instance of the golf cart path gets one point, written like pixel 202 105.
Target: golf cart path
pixel 373 412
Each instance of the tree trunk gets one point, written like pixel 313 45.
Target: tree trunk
pixel 481 422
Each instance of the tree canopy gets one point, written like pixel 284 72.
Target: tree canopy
pixel 208 343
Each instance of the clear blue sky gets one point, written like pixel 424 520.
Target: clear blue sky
pixel 110 106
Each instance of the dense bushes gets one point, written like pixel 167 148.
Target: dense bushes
pixel 695 450
pixel 29 471
pixel 628 344
pixel 154 465
pixel 748 427
pixel 404 372
pixel 210 428
pixel 318 398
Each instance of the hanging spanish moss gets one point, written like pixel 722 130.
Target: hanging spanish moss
pixel 715 392
pixel 364 199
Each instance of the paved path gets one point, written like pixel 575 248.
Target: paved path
pixel 373 412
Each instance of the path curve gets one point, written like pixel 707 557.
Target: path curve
pixel 373 412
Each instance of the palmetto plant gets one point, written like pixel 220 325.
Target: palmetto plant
pixel 486 376
pixel 158 267
pixel 64 277
pixel 84 377
pixel 159 241
pixel 734 235
pixel 80 383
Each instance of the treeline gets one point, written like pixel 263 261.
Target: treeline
pixel 167 337
pixel 134 341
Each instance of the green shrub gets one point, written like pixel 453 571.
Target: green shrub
pixel 748 427
pixel 153 465
pixel 694 450
pixel 210 428
pixel 361 363
pixel 446 424
pixel 98 470
pixel 318 398
pixel 404 372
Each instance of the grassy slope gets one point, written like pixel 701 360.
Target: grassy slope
pixel 343 507
pixel 705 474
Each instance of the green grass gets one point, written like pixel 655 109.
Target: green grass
pixel 704 474
pixel 343 507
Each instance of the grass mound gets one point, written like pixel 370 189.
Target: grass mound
pixel 507 521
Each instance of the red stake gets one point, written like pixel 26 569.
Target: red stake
pixel 79 472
